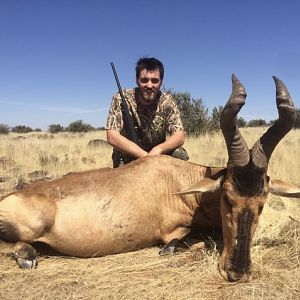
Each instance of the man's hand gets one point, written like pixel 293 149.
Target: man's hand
pixel 123 144
pixel 157 150
pixel 174 141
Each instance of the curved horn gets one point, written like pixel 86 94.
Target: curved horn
pixel 263 148
pixel 236 146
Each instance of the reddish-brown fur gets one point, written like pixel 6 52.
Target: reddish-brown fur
pixel 108 211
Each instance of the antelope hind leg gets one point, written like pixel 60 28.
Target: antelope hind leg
pixel 169 249
pixel 24 254
pixel 173 240
pixel 23 220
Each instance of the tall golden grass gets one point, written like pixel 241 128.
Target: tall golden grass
pixel 143 274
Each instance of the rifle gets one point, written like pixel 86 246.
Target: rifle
pixel 128 122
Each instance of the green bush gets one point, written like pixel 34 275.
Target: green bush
pixel 79 126
pixel 297 124
pixel 55 128
pixel 241 122
pixel 214 120
pixel 195 117
pixel 257 123
pixel 194 114
pixel 4 129
pixel 21 129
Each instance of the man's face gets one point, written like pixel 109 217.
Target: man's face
pixel 149 84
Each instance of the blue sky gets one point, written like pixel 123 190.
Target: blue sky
pixel 55 55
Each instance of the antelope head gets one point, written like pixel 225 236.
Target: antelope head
pixel 245 186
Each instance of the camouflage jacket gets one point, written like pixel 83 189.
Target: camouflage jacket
pixel 154 122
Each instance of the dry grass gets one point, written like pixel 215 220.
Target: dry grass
pixel 36 154
pixel 143 274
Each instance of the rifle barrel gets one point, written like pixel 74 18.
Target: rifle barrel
pixel 116 77
pixel 127 119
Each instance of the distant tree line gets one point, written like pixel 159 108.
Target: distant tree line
pixel 77 126
pixel 196 119
pixel 5 129
pixel 194 114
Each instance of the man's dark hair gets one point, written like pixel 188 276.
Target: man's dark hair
pixel 150 64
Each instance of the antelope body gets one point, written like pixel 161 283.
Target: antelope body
pixel 108 211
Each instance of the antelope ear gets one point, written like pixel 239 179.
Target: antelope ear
pixel 282 188
pixel 203 186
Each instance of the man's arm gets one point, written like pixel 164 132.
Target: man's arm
pixel 123 144
pixel 114 126
pixel 174 141
pixel 174 128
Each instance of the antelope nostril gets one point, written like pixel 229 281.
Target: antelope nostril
pixel 233 277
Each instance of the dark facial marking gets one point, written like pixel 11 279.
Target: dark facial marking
pixel 241 254
pixel 248 180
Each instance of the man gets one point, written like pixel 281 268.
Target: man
pixel 154 113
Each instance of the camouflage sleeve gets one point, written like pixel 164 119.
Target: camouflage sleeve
pixel 115 118
pixel 173 118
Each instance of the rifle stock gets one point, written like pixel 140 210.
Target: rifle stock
pixel 127 119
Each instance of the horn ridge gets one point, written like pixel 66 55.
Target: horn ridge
pixel 264 147
pixel 285 105
pixel 236 146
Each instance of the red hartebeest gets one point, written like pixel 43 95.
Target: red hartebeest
pixel 109 211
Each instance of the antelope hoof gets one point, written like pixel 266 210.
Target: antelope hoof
pixel 26 263
pixel 167 250
pixel 25 256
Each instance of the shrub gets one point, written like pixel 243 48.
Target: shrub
pixel 241 122
pixel 214 120
pixel 21 129
pixel 4 129
pixel 79 126
pixel 55 128
pixel 194 114
pixel 297 124
pixel 257 123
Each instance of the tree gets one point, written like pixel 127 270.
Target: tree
pixel 271 122
pixel 257 123
pixel 79 126
pixel 241 122
pixel 297 124
pixel 214 121
pixel 194 114
pixel 4 129
pixel 21 129
pixel 55 128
